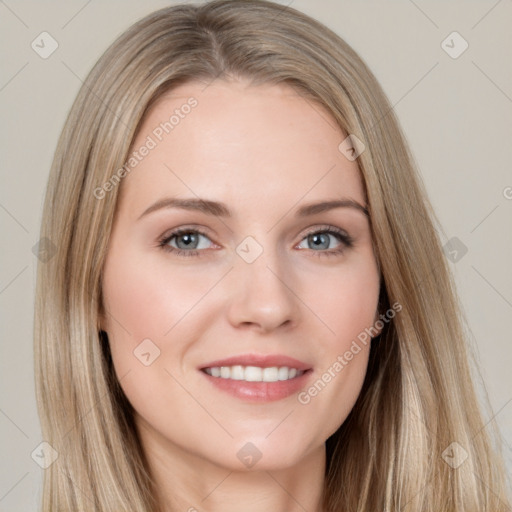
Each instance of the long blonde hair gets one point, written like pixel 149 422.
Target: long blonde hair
pixel 418 397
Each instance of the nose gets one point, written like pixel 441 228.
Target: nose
pixel 262 295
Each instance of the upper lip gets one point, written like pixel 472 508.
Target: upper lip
pixel 261 360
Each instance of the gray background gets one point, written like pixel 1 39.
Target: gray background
pixel 456 113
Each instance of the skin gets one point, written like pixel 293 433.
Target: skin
pixel 264 151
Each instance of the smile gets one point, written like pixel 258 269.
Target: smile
pixel 256 377
pixel 254 373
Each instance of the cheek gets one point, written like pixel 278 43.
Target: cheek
pixel 347 308
pixel 344 300
pixel 146 299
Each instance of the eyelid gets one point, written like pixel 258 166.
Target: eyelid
pixel 188 227
pixel 315 228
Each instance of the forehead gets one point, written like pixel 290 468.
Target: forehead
pixel 239 142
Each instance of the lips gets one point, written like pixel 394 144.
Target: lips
pixel 262 361
pixel 297 375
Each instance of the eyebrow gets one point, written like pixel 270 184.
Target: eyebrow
pixel 221 210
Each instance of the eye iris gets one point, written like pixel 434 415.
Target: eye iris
pixel 190 240
pixel 319 240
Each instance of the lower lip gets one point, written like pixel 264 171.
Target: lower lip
pixel 260 391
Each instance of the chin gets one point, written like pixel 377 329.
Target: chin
pixel 254 453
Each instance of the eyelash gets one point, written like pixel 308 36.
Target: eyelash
pixel 345 239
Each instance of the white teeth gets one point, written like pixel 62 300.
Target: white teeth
pixel 270 374
pixel 237 373
pixel 254 373
pixel 283 373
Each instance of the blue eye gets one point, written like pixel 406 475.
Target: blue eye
pixel 187 242
pixel 321 239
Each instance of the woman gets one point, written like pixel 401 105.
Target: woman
pixel 249 307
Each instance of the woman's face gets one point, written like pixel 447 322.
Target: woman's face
pixel 256 281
